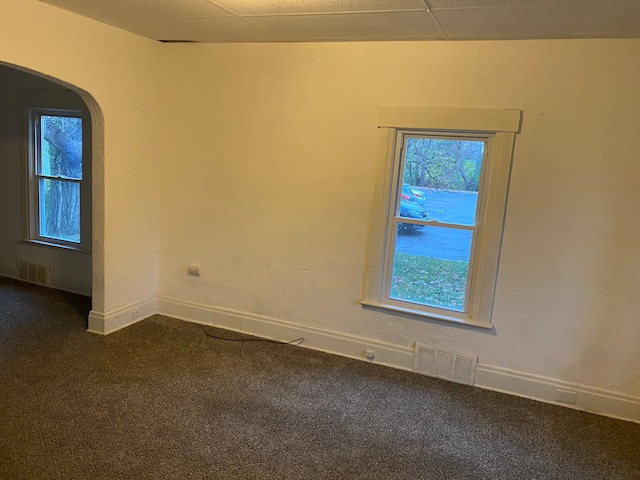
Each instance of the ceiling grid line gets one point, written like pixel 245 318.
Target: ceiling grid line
pixel 224 21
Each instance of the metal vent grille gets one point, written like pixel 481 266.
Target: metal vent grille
pixel 446 364
pixel 23 270
pixel 464 369
pixel 43 275
pixel 32 272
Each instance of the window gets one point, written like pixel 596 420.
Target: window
pixel 438 218
pixel 58 181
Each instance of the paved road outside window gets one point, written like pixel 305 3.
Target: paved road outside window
pixel 450 244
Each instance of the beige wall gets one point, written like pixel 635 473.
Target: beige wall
pixel 272 173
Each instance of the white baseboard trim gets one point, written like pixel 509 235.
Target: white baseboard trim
pixel 588 399
pixel 521 384
pixel 106 323
pixel 267 327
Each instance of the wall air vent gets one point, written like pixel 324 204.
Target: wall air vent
pixel 43 275
pixel 32 272
pixel 23 270
pixel 445 364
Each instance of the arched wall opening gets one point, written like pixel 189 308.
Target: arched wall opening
pixel 97 183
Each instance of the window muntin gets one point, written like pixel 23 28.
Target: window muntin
pixel 474 232
pixel 56 177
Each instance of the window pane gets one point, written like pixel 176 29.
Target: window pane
pixel 443 176
pixel 60 210
pixel 61 142
pixel 431 266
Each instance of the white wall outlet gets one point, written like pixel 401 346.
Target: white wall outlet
pixel 194 270
pixel 134 312
pixel 566 396
pixel 369 354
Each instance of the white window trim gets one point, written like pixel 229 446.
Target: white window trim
pixel 500 127
pixel 35 100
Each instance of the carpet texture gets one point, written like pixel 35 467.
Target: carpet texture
pixel 161 400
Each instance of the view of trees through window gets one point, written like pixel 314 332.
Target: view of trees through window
pixel 440 183
pixel 443 164
pixel 59 171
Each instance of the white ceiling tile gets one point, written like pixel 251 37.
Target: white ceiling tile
pixel 283 7
pixel 309 20
pixel 590 20
pixel 351 26
pixel 213 30
pixel 105 10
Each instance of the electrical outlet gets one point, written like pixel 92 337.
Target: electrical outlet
pixel 194 270
pixel 133 313
pixel 566 396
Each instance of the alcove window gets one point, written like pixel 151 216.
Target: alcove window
pixel 58 178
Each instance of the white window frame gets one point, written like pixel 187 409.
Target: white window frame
pixel 40 103
pixel 497 128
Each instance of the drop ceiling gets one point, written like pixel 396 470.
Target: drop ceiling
pixel 215 21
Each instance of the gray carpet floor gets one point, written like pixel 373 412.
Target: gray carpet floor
pixel 162 400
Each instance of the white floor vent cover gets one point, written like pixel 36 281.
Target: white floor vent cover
pixel 444 364
pixel 32 272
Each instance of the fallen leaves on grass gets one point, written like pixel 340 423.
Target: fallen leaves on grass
pixel 429 281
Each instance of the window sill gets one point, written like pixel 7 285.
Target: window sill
pixel 426 315
pixel 41 243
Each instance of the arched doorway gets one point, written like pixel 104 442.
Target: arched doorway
pixel 39 115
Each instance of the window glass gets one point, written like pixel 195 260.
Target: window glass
pixel 443 176
pixel 440 183
pixel 56 175
pixel 431 265
pixel 60 210
pixel 61 147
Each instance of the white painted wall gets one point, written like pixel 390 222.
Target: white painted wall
pixel 271 162
pixel 116 73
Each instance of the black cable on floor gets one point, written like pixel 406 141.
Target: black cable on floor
pixel 301 339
